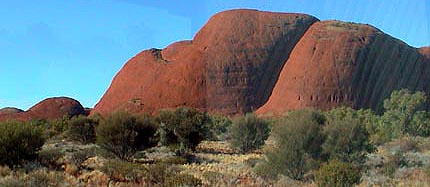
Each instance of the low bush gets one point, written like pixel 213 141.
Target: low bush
pixel 169 175
pixel 81 129
pixel 123 171
pixel 217 128
pixel 297 145
pixel 183 128
pixel 248 133
pixel 346 137
pixel 337 174
pixel 123 134
pixel 18 142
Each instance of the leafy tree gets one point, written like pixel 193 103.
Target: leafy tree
pixel 248 133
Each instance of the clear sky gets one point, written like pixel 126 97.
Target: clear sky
pixel 74 48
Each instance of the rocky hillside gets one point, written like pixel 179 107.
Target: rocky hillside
pixel 51 108
pixel 242 60
pixel 229 67
pixel 337 63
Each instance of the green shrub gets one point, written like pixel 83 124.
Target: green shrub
pixel 18 142
pixel 217 128
pixel 346 137
pixel 420 124
pixel 184 127
pixel 81 129
pixel 248 133
pixel 337 174
pixel 297 145
pixel 50 158
pixel 400 110
pixel 123 134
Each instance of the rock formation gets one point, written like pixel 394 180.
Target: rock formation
pixel 10 110
pixel 51 108
pixel 337 63
pixel 425 51
pixel 229 67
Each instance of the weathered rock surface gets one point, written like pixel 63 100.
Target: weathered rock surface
pixel 230 67
pixel 50 108
pixel 425 51
pixel 337 63
pixel 10 110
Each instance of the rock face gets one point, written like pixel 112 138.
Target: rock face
pixel 425 51
pixel 337 63
pixel 229 67
pixel 50 108
pixel 10 110
pixel 244 60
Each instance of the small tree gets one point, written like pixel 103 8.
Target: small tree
pixel 123 134
pixel 18 142
pixel 297 145
pixel 248 133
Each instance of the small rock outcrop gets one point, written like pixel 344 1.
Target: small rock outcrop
pixel 10 110
pixel 51 108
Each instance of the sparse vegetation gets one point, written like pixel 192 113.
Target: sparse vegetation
pixel 338 147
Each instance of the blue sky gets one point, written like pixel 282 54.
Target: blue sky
pixel 74 48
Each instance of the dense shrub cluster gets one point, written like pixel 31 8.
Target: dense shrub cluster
pixel 18 142
pixel 248 133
